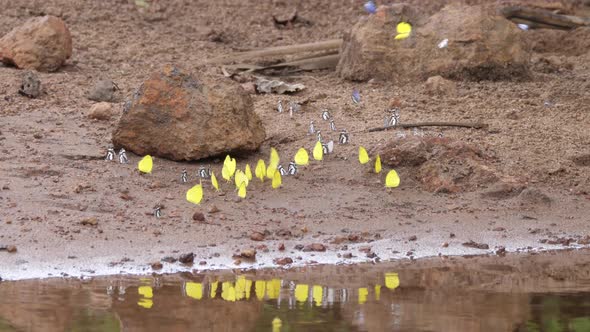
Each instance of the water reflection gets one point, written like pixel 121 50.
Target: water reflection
pixel 358 298
pixel 282 291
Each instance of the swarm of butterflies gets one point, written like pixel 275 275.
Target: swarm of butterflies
pixel 273 171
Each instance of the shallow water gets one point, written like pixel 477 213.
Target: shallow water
pixel 483 296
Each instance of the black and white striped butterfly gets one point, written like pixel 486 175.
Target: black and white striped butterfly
pixel 184 176
pixel 293 108
pixel 123 157
pixel 204 173
pixel 292 168
pixel 392 119
pixel 328 147
pixel 356 96
pixel 326 115
pixel 343 138
pixel 280 106
pixel 319 134
pixel 110 154
pixel 311 130
pixel 281 170
pixel 332 125
pixel 158 211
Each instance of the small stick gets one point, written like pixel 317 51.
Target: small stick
pixel 544 17
pixel 432 124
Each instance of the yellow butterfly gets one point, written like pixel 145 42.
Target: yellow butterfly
pixel 301 157
pixel 195 194
pixel 231 167
pixel 378 164
pixel 214 182
pixel 403 30
pixel 318 151
pixel 273 163
pixel 145 164
pixel 363 155
pixel 230 164
pixel 392 179
pixel 260 170
pixel 240 178
pixel 270 171
pixel 248 172
pixel 274 157
pixel 225 173
pixel 276 180
pixel 242 190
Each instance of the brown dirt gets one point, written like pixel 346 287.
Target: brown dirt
pixel 52 175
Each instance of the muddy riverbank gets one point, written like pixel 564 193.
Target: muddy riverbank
pixel 70 213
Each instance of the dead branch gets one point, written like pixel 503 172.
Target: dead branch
pixel 333 44
pixel 543 17
pixel 432 124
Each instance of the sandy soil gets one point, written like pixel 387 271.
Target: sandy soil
pixel 52 174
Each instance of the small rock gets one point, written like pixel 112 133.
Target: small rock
pixel 437 85
pixel 347 255
pixel 247 254
pixel 452 235
pixel 413 238
pixel 499 229
pixel 256 236
pixel 534 197
pixel 315 247
pixel 89 221
pixel 501 251
pixel 283 261
pixel 249 87
pixel 8 248
pixel 213 209
pixel 198 216
pixel 103 91
pixel 237 262
pixel 156 266
pixel 169 259
pixel 299 247
pixel 203 263
pixel 30 86
pixel 281 247
pixel 445 244
pixel 501 190
pixel 473 244
pixel 187 258
pixel 101 111
pixel 41 43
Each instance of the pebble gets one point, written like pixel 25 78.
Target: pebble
pixel 256 236
pixel 187 258
pixel 198 216
pixel 315 247
pixel 103 91
pixel 30 86
pixel 156 266
pixel 283 261
pixel 89 221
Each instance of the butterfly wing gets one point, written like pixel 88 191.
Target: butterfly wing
pixel 318 151
pixel 363 155
pixel 145 164
pixel 302 157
